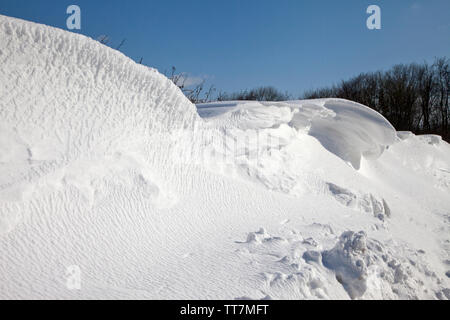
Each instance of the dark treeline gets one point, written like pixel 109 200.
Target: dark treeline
pixel 412 97
pixel 258 94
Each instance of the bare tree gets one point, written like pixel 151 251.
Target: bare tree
pixel 258 94
pixel 195 93
pixel 121 44
pixel 443 88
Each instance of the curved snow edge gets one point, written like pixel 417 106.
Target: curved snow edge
pixel 27 48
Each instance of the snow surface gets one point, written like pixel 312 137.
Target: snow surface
pixel 105 165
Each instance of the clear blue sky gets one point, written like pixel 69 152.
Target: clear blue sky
pixel 293 45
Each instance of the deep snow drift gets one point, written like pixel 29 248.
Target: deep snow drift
pixel 106 166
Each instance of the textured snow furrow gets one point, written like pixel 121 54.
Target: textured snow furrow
pixel 94 112
pixel 140 83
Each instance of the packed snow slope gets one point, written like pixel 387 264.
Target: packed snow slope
pixel 114 186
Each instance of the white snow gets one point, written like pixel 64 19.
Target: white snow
pixel 347 129
pixel 106 166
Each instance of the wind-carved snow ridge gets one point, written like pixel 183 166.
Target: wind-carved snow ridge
pixel 353 132
pixel 347 129
pixel 275 143
pixel 65 98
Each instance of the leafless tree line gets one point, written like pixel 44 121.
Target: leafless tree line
pixel 198 93
pixel 266 93
pixel 412 97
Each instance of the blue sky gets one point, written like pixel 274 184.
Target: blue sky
pixel 293 45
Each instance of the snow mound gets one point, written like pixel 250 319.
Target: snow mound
pixel 280 144
pixel 75 94
pixel 345 128
pixel 353 131
pixel 106 168
pixel 64 97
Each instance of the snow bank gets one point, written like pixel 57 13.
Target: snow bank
pixel 106 168
pixel 353 131
pixel 347 129
pixel 78 95
pixel 64 96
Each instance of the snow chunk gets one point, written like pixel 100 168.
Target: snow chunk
pixel 347 261
pixel 403 135
pixel 431 139
pixel 312 256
